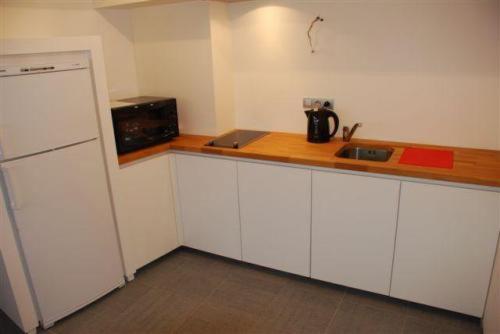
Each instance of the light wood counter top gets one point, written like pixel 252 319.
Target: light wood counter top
pixel 472 166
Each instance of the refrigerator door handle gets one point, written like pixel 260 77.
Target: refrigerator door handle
pixel 14 202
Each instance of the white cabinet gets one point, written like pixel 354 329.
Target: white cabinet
pixel 145 211
pixel 208 197
pixel 430 244
pixel 445 246
pixel 275 211
pixel 353 230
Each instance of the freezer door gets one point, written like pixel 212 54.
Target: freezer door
pixel 61 208
pixel 43 111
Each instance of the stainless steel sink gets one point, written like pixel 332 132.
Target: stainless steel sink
pixel 365 152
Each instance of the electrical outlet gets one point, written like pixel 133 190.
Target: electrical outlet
pixel 316 102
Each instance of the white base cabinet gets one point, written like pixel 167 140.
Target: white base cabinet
pixel 146 212
pixel 353 230
pixel 445 246
pixel 208 197
pixel 426 243
pixel 275 211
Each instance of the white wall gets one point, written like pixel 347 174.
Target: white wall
pixel 174 58
pixel 184 50
pixel 55 18
pixel 418 71
pixel 222 66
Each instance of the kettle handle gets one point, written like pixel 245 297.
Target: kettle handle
pixel 335 122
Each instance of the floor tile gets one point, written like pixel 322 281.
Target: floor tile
pixel 442 319
pixel 376 301
pixel 302 306
pixel 189 272
pixel 366 318
pixel 157 312
pixel 213 318
pixel 249 298
pixel 415 326
pixel 418 326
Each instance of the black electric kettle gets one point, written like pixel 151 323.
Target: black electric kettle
pixel 318 126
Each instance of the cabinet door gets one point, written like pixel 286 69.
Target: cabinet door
pixel 445 246
pixel 353 230
pixel 275 211
pixel 145 211
pixel 208 197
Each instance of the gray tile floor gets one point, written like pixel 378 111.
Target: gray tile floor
pixel 192 292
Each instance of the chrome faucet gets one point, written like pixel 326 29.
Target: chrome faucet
pixel 346 134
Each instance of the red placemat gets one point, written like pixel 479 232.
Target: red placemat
pixel 427 158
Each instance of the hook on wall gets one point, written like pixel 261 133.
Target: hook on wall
pixel 317 19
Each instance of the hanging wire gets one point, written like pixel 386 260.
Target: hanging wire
pixel 309 37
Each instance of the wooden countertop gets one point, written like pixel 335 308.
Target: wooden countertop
pixel 473 166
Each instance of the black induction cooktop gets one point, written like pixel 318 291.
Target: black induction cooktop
pixel 237 138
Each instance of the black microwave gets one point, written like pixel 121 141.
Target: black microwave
pixel 144 121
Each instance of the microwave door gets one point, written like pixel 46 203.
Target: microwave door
pixel 140 129
pixel 43 111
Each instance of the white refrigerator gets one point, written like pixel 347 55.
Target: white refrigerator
pixel 54 179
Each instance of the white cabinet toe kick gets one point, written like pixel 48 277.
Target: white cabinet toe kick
pixel 427 242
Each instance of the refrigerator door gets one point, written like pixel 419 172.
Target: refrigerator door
pixel 62 211
pixel 39 112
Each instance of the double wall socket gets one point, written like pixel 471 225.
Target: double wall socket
pixel 313 102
